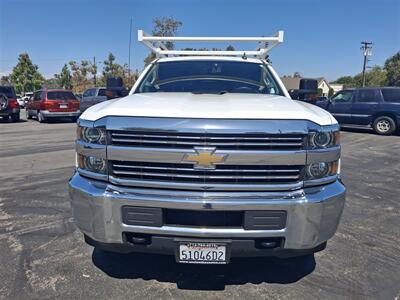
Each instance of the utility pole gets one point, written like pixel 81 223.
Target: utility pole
pixel 367 51
pixel 129 55
pixel 95 70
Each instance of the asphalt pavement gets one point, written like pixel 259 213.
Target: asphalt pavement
pixel 43 255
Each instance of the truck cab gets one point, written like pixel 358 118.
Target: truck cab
pixel 377 107
pixel 206 159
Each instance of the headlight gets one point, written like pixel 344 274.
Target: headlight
pixel 322 169
pixel 324 139
pixel 92 135
pixel 92 164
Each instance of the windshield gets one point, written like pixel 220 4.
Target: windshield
pixel 8 91
pixel 209 76
pixel 60 95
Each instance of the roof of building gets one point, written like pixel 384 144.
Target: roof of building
pixel 292 83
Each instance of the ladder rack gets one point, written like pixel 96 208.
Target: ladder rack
pixel 156 45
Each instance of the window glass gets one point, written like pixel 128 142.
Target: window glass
pixel 344 96
pixel 8 91
pixel 37 96
pixel 209 76
pixel 391 95
pixel 61 95
pixel 369 95
pixel 86 93
pixel 102 92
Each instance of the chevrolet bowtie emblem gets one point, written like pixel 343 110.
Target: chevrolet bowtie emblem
pixel 205 158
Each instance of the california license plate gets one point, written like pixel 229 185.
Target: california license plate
pixel 63 106
pixel 202 253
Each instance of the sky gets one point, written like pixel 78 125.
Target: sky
pixel 322 38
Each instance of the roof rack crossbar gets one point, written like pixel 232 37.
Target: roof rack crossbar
pixel 155 44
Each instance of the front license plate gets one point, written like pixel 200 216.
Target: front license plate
pixel 202 253
pixel 63 106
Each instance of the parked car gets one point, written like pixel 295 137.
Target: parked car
pixel 21 101
pixel 96 95
pixel 208 158
pixel 9 107
pixel 27 96
pixel 50 104
pixel 377 107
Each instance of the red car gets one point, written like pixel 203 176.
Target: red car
pixel 51 104
pixel 9 107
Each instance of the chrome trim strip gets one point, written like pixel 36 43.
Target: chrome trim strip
pixel 89 149
pixel 267 170
pixel 85 123
pixel 224 126
pixel 323 155
pixel 283 177
pixel 203 232
pixel 321 181
pixel 205 187
pixel 241 157
pixel 93 175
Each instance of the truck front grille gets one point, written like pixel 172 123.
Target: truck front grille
pixel 185 173
pixel 220 141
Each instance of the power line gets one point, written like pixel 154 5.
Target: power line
pixel 367 51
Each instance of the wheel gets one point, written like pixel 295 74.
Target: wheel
pixel 41 118
pixel 28 115
pixel 15 117
pixel 384 125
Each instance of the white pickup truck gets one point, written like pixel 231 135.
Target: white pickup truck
pixel 208 158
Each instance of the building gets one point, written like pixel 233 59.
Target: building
pixel 292 83
pixel 336 87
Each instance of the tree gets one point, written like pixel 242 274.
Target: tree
pixel 64 78
pixel 230 48
pixel 79 78
pixel 5 80
pixel 297 75
pixel 347 81
pixel 164 26
pixel 110 68
pixel 25 75
pixel 392 68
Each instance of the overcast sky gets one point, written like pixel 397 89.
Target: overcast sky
pixel 322 38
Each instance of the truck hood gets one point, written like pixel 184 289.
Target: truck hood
pixel 209 106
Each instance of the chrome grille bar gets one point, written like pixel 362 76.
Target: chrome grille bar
pixel 221 141
pixel 178 173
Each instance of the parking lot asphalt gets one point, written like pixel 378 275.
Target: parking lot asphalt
pixel 43 255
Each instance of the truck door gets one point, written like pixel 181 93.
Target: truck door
pixel 366 102
pixel 340 106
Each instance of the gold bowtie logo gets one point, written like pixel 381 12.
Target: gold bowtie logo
pixel 205 158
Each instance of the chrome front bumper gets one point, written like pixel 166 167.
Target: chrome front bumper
pixel 313 213
pixel 50 114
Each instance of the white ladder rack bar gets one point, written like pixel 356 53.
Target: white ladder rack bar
pixel 155 44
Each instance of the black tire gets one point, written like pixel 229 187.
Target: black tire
pixel 15 117
pixel 384 125
pixel 40 117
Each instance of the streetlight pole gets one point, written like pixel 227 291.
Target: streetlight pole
pixel 129 55
pixel 366 47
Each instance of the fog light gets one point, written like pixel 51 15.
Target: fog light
pixel 318 170
pixel 95 164
pixel 92 164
